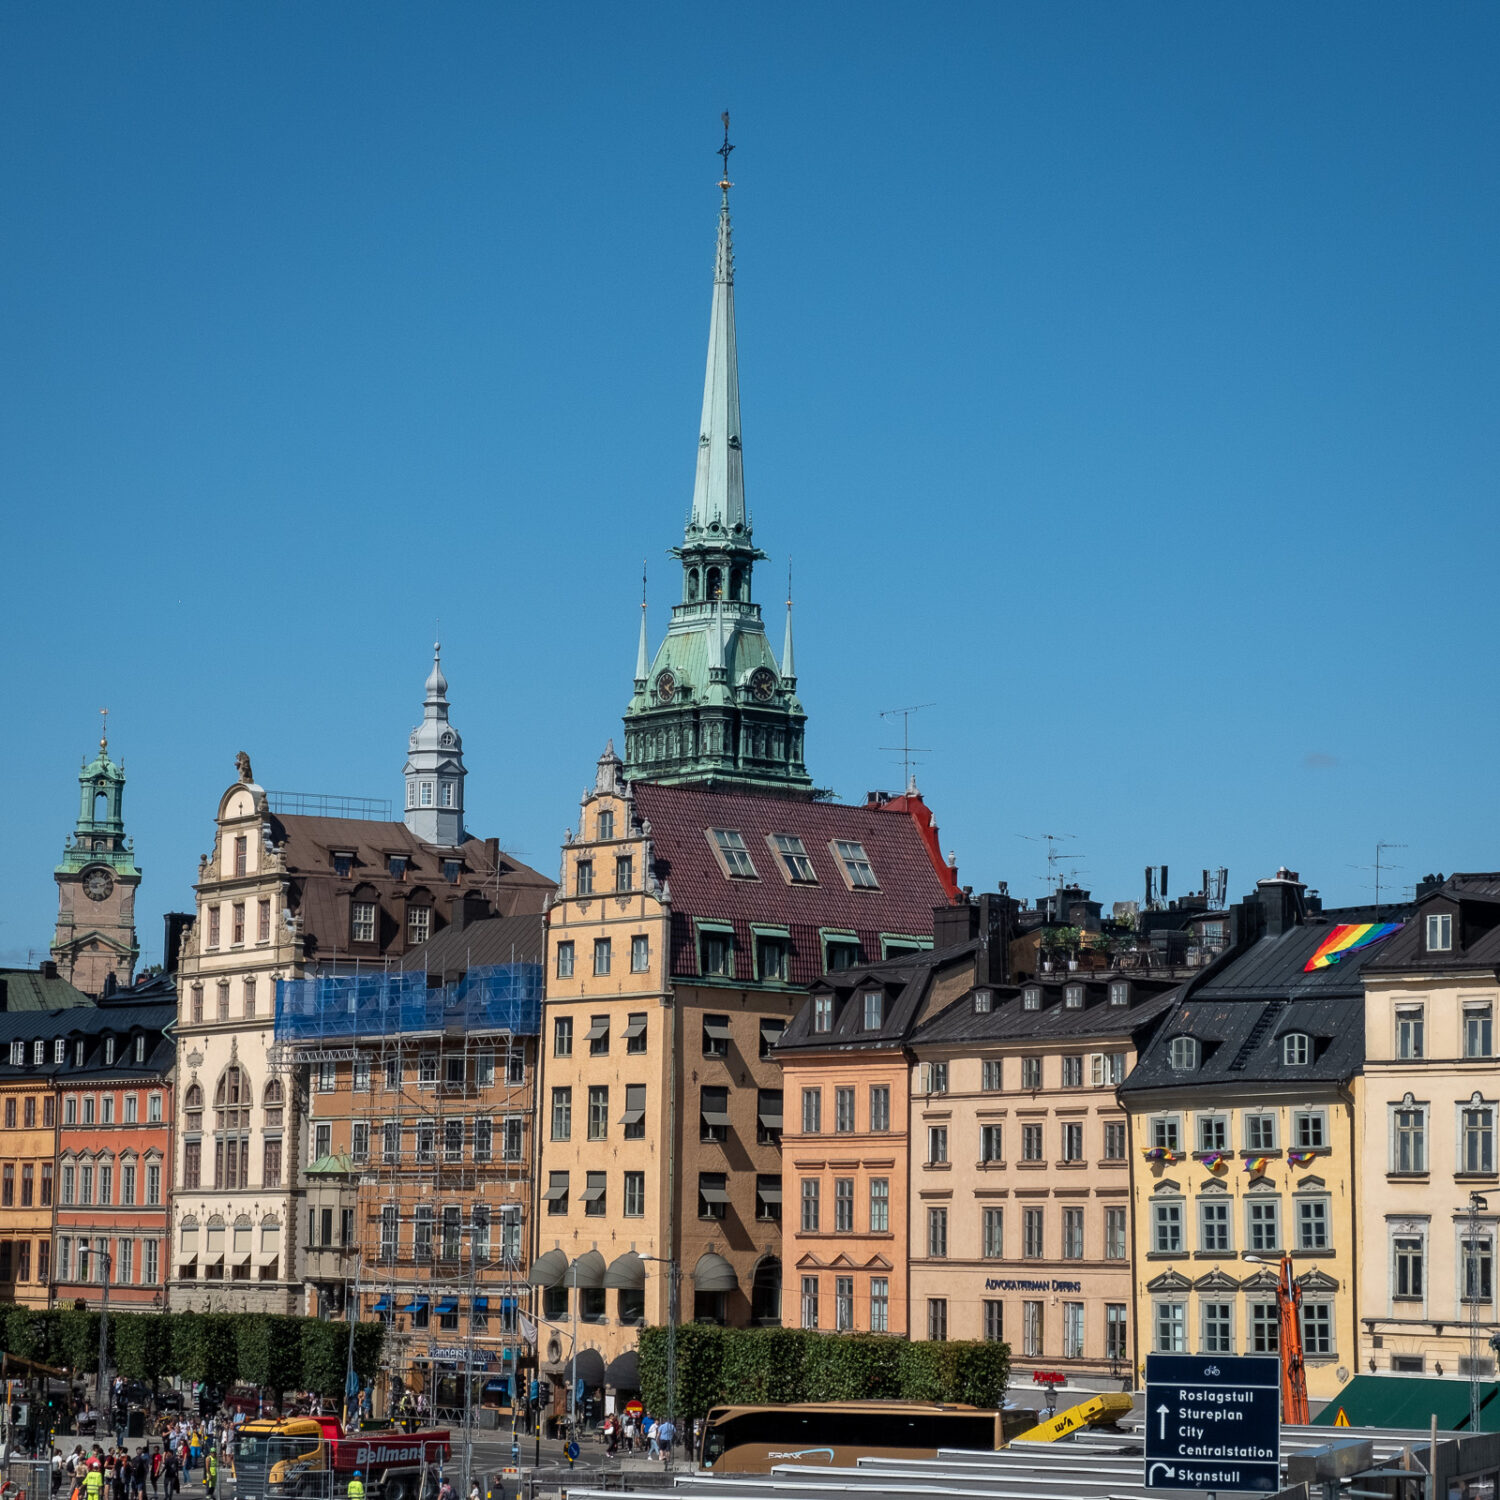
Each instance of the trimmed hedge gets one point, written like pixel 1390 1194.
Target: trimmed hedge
pixel 279 1353
pixel 753 1365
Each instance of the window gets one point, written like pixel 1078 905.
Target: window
pixel 1213 1133
pixel 937 1232
pixel 1265 1328
pixel 989 1075
pixel 422 1233
pixel 418 925
pixel 1119 992
pixel 1477 1138
pixel 1479 1032
pixel 1072 1234
pixel 811 1207
pixel 1072 1330
pixel 1218 1328
pixel 993 1237
pixel 213 927
pixel 1183 1053
pixel 937 1145
pixel 1031 998
pixel 1296 1049
pixel 732 850
pixel 716 959
pixel 1310 1129
pixel 28 1185
pixel 1114 1141
pixel 565 960
pixel 426 1141
pixel 583 878
pixel 880 1304
pixel 1072 1072
pixel 1116 1328
pixel 1439 933
pixel 880 1108
pixel 359 1141
pixel 362 922
pixel 624 872
pixel 1031 1143
pixel 1116 1234
pixel 716 1036
pixel 1263 1216
pixel 1476 1262
pixel 857 868
pixel 1072 1141
pixel 262 934
pixel 601 955
pixel 1317 1329
pixel 562 1114
pixel 595 1198
pixel 1031 1329
pixel 1409 1140
pixel 10 1104
pixel 809 1301
pixel 60 1047
pixel 562 1036
pixel 713 1114
pixel 598 1036
pixel 874 1005
pixel 90 1103
pixel 822 1014
pixel 843 1205
pixel 1031 1234
pixel 1312 1224
pixel 237 923
pixel 937 1318
pixel 1166 1227
pixel 794 860
pixel 1409 1027
pixel 1260 1132
pixel 634 1118
pixel 49 1110
pixel 484 1140
pixel 880 1205
pixel 1171 1328
pixel 991 1143
pixel 1409 1256
pixel 427 1070
pixel 223 1013
pixel 640 956
pixel 772 1029
pixel 994 1321
pixel 557 1193
pixel 768 1197
pixel 1073 997
pixel 1213 1226
pixel 393 1072
pixel 936 1078
pixel 635 1195
pixel 812 1111
pixel 843 1111
pixel 843 1303
pixel 984 1002
pixel 452 869
pixel 1031 1073
pixel 771 958
pixel 390 1142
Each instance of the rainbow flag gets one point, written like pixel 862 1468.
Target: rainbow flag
pixel 1160 1153
pixel 1257 1164
pixel 1300 1158
pixel 1348 937
pixel 1215 1161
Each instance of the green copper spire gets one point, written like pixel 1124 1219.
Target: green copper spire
pixel 714 708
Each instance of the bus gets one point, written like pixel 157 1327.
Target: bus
pixel 753 1439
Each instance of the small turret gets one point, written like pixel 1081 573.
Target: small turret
pixel 435 768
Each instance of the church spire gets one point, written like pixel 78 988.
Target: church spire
pixel 434 768
pixel 788 660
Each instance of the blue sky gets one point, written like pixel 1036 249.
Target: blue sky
pixel 1122 379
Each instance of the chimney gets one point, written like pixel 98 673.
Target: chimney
pixel 1280 897
pixel 997 924
pixel 955 924
pixel 48 969
pixel 176 924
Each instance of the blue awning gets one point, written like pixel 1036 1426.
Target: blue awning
pixel 417 1304
pixel 384 1305
pixel 481 1304
pixel 448 1305
pixel 507 1304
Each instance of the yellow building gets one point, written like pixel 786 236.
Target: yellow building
pixel 1242 1143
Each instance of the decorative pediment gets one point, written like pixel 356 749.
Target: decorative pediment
pixel 1213 1185
pixel 841 1262
pixel 1311 1185
pixel 1168 1185
pixel 811 1263
pixel 1169 1281
pixel 876 1263
pixel 1317 1280
pixel 1262 1281
pixel 1216 1281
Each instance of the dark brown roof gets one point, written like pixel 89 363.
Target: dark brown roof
pixel 478 944
pixel 910 885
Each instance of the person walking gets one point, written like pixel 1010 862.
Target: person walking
pixel 666 1435
pixel 93 1482
pixel 171 1472
pixel 155 1471
pixel 210 1473
pixel 357 1486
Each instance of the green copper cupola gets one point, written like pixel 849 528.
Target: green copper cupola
pixel 713 708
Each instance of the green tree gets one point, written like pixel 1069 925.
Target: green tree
pixel 205 1347
pixel 325 1351
pixel 852 1366
pixel 143 1345
pixel 369 1340
pixel 269 1350
pixel 701 1352
pixel 79 1340
pixel 35 1334
pixel 765 1364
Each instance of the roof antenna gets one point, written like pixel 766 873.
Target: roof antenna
pixel 908 750
pixel 724 151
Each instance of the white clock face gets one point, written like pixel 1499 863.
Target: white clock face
pixel 97 884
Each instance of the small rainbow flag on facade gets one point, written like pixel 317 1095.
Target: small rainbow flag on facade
pixel 1215 1161
pixel 1160 1153
pixel 1348 937
pixel 1257 1164
pixel 1300 1158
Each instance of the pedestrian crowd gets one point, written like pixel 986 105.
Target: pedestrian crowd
pixel 630 1433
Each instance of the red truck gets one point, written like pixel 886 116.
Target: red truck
pixel 313 1458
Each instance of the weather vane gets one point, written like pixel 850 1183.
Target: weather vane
pixel 103 728
pixel 724 151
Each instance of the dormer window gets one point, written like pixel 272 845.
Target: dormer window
pixel 857 867
pixel 452 868
pixel 874 1010
pixel 984 1001
pixel 731 849
pixel 1440 932
pixel 793 852
pixel 822 1014
pixel 1119 992
pixel 38 1053
pixel 1184 1053
pixel 1073 997
pixel 140 1049
pixel 1031 997
pixel 17 1054
pixel 397 866
pixel 1296 1049
pixel 343 863
pixel 109 1051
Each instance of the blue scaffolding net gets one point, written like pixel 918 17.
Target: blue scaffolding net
pixel 342 1007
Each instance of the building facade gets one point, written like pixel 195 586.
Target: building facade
pixel 95 943
pixel 1020 1169
pixel 1430 1192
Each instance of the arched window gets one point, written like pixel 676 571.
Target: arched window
pixel 274 1093
pixel 765 1292
pixel 232 1089
pixel 1296 1049
pixel 1183 1054
pixel 101 807
pixel 692 585
pixel 193 1099
pixel 715 584
pixel 232 1129
pixel 736 583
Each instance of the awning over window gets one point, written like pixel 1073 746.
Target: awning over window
pixel 239 1258
pixel 556 1192
pixel 481 1304
pixel 417 1304
pixel 548 1269
pixel 623 1372
pixel 769 1192
pixel 635 1028
pixel 591 1194
pixel 770 929
pixel 627 1272
pixel 706 925
pixel 771 1116
pixel 587 1271
pixel 600 1028
pixel 589 1368
pixel 632 1117
pixel 714 1274
pixel 771 1032
pixel 713 1195
pixel 715 1117
pixel 448 1305
pixel 717 1027
pixel 384 1305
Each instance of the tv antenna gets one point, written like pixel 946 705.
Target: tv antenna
pixel 1379 867
pixel 1055 856
pixel 907 749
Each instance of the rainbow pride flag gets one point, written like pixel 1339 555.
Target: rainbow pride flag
pixel 1257 1165
pixel 1348 937
pixel 1300 1158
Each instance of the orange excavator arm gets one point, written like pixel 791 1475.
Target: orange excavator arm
pixel 1293 1370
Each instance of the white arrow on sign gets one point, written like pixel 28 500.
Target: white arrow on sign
pixel 1162 1411
pixel 1167 1469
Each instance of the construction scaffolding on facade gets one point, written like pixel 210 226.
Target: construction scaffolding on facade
pixel 421 1110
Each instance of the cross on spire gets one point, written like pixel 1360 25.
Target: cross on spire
pixel 724 151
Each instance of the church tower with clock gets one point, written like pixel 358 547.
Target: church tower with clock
pixel 96 884
pixel 714 708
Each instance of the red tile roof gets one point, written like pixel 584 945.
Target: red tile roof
pixel 897 838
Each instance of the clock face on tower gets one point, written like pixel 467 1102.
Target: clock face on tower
pixel 97 884
pixel 666 687
pixel 762 684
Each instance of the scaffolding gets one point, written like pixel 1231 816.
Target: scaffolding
pixel 436 1089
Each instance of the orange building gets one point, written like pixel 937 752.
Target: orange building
pixel 846 1147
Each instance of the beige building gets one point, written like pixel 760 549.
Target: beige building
pixel 1020 1170
pixel 1430 1202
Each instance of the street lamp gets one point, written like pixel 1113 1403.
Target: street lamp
pixel 674 1282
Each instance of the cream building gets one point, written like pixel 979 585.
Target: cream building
pixel 1426 1135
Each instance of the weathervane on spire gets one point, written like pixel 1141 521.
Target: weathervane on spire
pixel 724 151
pixel 104 729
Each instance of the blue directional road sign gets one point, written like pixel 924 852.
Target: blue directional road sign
pixel 1213 1423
